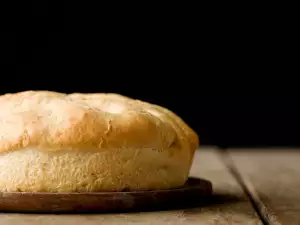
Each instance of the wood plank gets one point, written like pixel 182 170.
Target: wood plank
pixel 272 177
pixel 228 206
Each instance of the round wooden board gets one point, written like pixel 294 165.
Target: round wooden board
pixel 194 192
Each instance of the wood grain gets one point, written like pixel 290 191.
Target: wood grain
pixel 273 179
pixel 228 206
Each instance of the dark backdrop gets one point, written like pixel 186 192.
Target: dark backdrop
pixel 185 65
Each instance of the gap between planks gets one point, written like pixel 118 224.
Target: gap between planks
pixel 265 213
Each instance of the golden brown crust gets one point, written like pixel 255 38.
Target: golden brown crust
pixel 53 121
pixel 90 142
pixel 32 170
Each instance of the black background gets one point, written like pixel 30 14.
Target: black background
pixel 219 76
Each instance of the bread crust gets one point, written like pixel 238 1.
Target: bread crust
pixel 35 123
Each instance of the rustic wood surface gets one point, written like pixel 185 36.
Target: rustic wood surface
pixel 272 178
pixel 194 192
pixel 228 205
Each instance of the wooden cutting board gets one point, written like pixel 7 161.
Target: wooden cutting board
pixel 195 192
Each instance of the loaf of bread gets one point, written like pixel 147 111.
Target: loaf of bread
pixel 55 142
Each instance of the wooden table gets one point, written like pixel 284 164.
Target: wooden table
pixel 251 186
